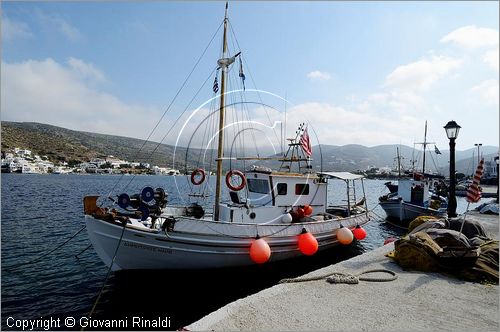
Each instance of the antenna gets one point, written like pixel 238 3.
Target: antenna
pixel 284 133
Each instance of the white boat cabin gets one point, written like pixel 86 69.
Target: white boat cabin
pixel 414 191
pixel 270 195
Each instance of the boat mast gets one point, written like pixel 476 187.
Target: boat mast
pixel 399 161
pixel 220 147
pixel 425 145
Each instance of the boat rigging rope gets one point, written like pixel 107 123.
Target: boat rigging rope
pixel 345 278
pixel 171 103
pixel 251 77
pixel 108 273
pixel 172 127
pixel 9 268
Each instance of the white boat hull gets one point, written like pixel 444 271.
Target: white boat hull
pixel 403 211
pixel 224 245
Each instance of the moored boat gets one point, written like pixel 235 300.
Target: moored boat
pixel 269 215
pixel 414 196
pixel 413 199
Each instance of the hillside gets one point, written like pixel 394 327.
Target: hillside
pixel 61 144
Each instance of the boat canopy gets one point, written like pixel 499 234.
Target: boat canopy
pixel 341 175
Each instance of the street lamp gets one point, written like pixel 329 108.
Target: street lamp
pixel 478 157
pixel 452 129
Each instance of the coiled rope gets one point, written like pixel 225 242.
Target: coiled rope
pixel 345 278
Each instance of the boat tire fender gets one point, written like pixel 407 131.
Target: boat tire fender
pixel 197 171
pixel 240 175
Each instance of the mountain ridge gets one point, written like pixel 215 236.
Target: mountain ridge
pixel 61 144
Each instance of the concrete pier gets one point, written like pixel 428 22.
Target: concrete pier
pixel 416 301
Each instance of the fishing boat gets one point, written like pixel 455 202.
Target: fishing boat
pixel 415 195
pixel 259 215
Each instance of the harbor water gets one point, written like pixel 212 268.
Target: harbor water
pixel 39 212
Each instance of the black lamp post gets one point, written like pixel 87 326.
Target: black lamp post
pixel 452 129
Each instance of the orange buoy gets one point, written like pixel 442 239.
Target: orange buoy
pixel 308 245
pixel 308 210
pixel 359 233
pixel 300 212
pixel 344 235
pixel 260 252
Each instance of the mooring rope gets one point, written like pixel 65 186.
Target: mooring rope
pixel 81 252
pixel 107 274
pixel 15 266
pixel 345 278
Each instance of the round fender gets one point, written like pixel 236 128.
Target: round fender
pixel 238 174
pixel 199 171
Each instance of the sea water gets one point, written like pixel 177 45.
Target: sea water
pixel 39 212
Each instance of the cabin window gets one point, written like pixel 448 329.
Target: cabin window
pixel 258 186
pixel 281 188
pixel 302 189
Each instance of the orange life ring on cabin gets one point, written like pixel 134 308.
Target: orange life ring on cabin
pixel 200 171
pixel 240 175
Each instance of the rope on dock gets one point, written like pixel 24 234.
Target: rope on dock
pixel 345 278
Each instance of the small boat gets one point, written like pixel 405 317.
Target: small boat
pixel 263 215
pixel 413 199
pixel 413 196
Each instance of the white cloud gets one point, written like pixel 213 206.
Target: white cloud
pixel 54 21
pixel 420 75
pixel 472 37
pixel 318 75
pixel 488 91
pixel 491 58
pixel 49 92
pixel 14 29
pixel 86 70
pixel 337 125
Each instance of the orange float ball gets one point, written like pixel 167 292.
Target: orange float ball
pixel 260 252
pixel 344 235
pixel 308 210
pixel 359 233
pixel 300 212
pixel 308 245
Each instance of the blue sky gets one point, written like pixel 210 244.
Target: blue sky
pixel 361 72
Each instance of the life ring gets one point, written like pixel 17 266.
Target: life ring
pixel 200 171
pixel 240 175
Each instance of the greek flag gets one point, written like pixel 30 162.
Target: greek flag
pixel 216 85
pixel 242 75
pixel 473 191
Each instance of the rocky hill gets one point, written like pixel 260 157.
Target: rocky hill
pixel 61 144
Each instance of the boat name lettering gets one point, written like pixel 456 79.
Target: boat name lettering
pixel 145 247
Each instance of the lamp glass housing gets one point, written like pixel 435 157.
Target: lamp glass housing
pixel 452 129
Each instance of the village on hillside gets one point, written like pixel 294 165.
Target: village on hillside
pixel 24 161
